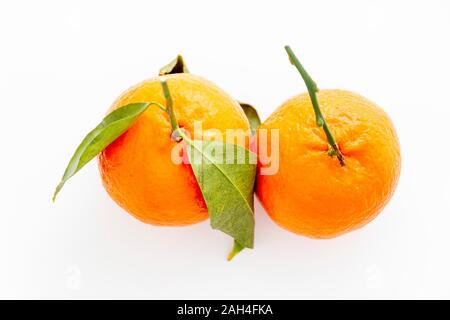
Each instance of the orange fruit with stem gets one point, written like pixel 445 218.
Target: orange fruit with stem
pixel 137 169
pixel 339 161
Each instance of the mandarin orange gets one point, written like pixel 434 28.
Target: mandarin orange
pixel 137 170
pixel 311 194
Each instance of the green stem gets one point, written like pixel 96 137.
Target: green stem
pixel 312 90
pixel 160 106
pixel 169 109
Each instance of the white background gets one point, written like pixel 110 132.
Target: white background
pixel 62 63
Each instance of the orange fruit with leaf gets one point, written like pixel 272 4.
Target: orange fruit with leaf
pixel 339 161
pixel 143 144
pixel 334 171
pixel 137 169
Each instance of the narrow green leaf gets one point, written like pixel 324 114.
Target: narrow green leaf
pixel 112 127
pixel 177 65
pixel 226 175
pixel 236 249
pixel 252 115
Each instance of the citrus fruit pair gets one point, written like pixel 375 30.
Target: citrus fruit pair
pixel 311 194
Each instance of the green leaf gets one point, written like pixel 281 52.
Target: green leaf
pixel 227 184
pixel 252 115
pixel 112 127
pixel 177 65
pixel 236 249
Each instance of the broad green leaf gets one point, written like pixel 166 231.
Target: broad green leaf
pixel 226 175
pixel 175 66
pixel 252 115
pixel 112 127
